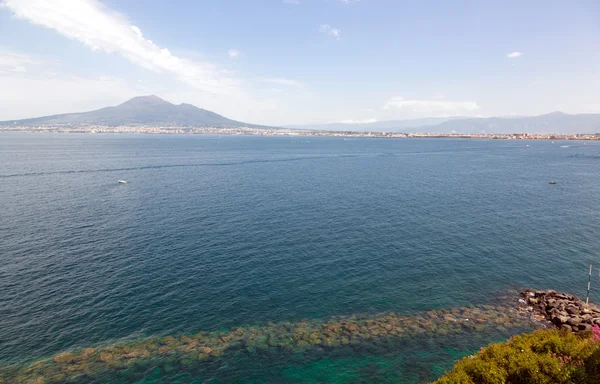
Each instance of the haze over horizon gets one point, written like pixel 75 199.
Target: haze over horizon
pixel 286 62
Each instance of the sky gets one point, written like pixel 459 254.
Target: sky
pixel 282 62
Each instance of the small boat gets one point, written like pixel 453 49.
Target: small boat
pixel 552 182
pixel 122 181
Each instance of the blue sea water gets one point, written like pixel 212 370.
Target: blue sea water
pixel 218 232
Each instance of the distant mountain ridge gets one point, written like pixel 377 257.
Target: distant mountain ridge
pixel 152 110
pixel 551 123
pixel 149 110
pixel 377 126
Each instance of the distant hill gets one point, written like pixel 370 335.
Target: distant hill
pixel 377 126
pixel 149 110
pixel 554 123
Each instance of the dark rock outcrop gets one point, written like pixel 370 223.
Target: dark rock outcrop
pixel 565 311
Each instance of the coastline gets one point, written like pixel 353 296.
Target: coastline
pixel 246 131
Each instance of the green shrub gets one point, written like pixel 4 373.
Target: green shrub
pixel 542 357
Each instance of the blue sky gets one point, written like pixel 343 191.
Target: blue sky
pixel 302 61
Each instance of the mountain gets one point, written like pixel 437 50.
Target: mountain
pixel 152 110
pixel 142 110
pixel 377 126
pixel 555 122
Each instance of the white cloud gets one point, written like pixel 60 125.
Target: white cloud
pixel 351 121
pixel 287 82
pixel 349 1
pixel 432 107
pixel 233 53
pixel 32 91
pixel 15 62
pixel 101 29
pixel 294 2
pixel 328 29
pixel 513 55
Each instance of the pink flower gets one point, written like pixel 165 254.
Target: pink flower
pixel 596 332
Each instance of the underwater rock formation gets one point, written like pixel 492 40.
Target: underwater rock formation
pixel 136 359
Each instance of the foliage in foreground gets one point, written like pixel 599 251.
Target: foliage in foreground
pixel 542 357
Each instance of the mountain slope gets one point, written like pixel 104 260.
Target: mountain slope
pixel 148 110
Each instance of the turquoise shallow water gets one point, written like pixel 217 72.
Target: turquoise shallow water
pixel 214 233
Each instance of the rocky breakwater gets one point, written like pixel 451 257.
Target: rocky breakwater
pixel 565 311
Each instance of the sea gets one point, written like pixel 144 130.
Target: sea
pixel 243 240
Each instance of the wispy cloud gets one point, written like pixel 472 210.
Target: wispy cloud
pixel 431 106
pixel 294 2
pixel 101 29
pixel 328 29
pixel 349 1
pixel 15 62
pixel 234 53
pixel 28 87
pixel 513 55
pixel 287 82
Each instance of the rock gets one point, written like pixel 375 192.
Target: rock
pixel 106 357
pixel 540 307
pixel 565 327
pixel 205 350
pixel 572 310
pixel 563 313
pixel 574 321
pixel 350 327
pixel 168 340
pixel 87 352
pixel 584 327
pixel 558 320
pixel 64 357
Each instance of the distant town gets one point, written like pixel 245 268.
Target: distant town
pixel 153 129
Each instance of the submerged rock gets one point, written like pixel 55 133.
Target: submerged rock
pixel 135 359
pixel 65 357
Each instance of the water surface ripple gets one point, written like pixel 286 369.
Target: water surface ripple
pixel 213 233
